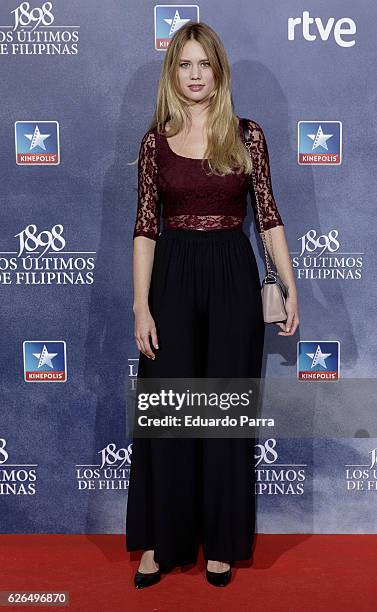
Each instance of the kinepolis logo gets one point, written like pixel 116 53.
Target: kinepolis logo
pixel 45 360
pixel 113 473
pixel 37 143
pixel 319 143
pixel 18 478
pixel 37 261
pixel 170 18
pixel 320 258
pixel 362 477
pixel 33 33
pixel 286 479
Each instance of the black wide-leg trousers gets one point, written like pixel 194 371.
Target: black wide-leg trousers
pixel 205 300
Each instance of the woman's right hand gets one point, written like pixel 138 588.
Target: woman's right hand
pixel 145 327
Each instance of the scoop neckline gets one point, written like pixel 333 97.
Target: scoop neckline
pixel 184 156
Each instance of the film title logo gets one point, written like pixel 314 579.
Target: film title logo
pixel 323 257
pixel 283 478
pixel 16 478
pixel 42 260
pixel 112 473
pixel 34 32
pixel 363 477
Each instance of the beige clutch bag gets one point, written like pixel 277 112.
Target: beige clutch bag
pixel 274 292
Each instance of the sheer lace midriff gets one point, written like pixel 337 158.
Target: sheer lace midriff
pixel 202 222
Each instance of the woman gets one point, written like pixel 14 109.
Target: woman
pixel 197 306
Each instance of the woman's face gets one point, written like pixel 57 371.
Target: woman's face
pixel 195 73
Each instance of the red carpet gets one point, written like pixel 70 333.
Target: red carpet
pixel 290 573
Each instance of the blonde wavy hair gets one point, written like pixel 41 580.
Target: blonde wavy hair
pixel 226 152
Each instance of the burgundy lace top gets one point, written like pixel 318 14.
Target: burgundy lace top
pixel 188 198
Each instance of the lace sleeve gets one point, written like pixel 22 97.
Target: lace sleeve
pixel 148 206
pixel 270 214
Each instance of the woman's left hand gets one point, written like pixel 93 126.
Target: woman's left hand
pixel 291 324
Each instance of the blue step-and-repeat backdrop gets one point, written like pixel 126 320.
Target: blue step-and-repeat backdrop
pixel 78 89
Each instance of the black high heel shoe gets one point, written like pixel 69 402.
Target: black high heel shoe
pixel 219 579
pixel 142 580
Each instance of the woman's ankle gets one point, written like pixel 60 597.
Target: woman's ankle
pixel 217 566
pixel 147 562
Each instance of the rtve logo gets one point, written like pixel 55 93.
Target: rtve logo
pixel 343 27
